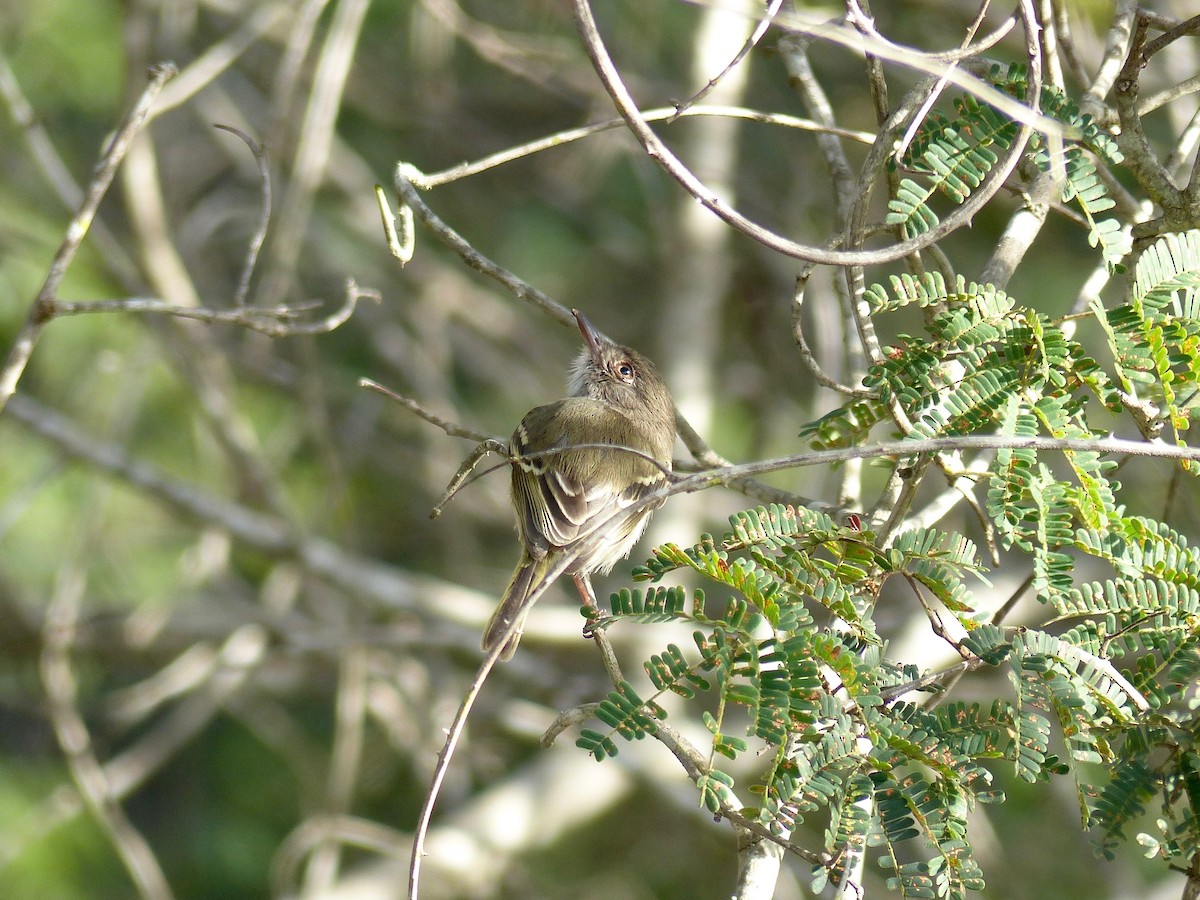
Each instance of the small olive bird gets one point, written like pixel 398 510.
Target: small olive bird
pixel 564 486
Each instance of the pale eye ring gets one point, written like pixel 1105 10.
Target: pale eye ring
pixel 625 370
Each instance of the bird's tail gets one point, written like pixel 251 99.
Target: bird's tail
pixel 512 608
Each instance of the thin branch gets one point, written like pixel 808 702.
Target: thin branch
pixel 159 255
pixel 659 152
pixel 425 181
pixel 27 337
pixel 751 42
pixel 934 64
pixel 76 742
pixel 58 175
pixel 568 718
pixel 803 80
pixel 806 354
pixel 944 79
pixel 1066 45
pixel 1140 158
pixel 1116 47
pixel 462 477
pixel 130 769
pixel 1022 230
pixel 965 50
pixel 1168 95
pixel 1188 139
pixel 216 59
pixel 348 830
pixel 1027 222
pixel 1168 37
pixel 313 148
pixel 379 585
pixel 454 734
pixel 545 64
pixel 406 178
pixel 451 428
pixel 302 29
pixel 901 449
pixel 276 322
pixel 260 233
pixel 695 765
pixel 930 679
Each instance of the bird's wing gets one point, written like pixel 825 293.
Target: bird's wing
pixel 560 493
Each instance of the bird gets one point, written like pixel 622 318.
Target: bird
pixel 578 461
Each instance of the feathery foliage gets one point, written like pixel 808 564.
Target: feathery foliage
pixel 787 665
pixel 952 156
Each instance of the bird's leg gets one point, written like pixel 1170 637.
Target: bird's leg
pixel 607 656
pixel 584 584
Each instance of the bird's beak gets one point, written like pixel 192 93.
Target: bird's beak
pixel 591 336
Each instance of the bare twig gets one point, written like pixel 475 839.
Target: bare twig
pixel 568 718
pixel 58 175
pixel 1026 224
pixel 751 42
pixel 316 830
pixel 260 233
pixel 806 353
pixel 660 153
pixel 127 771
pixel 27 337
pixel 426 181
pixel 312 151
pixel 1140 158
pixel 381 585
pixel 454 734
pixel 76 742
pixel 276 322
pixel 405 181
pixel 944 79
pixel 451 428
pixel 459 480
pixel 542 62
pixel 205 68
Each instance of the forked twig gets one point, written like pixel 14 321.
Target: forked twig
pixel 106 169
pixel 460 479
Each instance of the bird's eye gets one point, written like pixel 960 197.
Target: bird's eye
pixel 625 370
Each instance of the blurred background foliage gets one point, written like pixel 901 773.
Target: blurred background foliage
pixel 268 722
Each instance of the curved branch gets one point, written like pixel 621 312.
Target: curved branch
pixel 260 233
pixel 425 181
pixel 674 167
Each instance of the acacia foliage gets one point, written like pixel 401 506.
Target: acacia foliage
pixel 787 664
